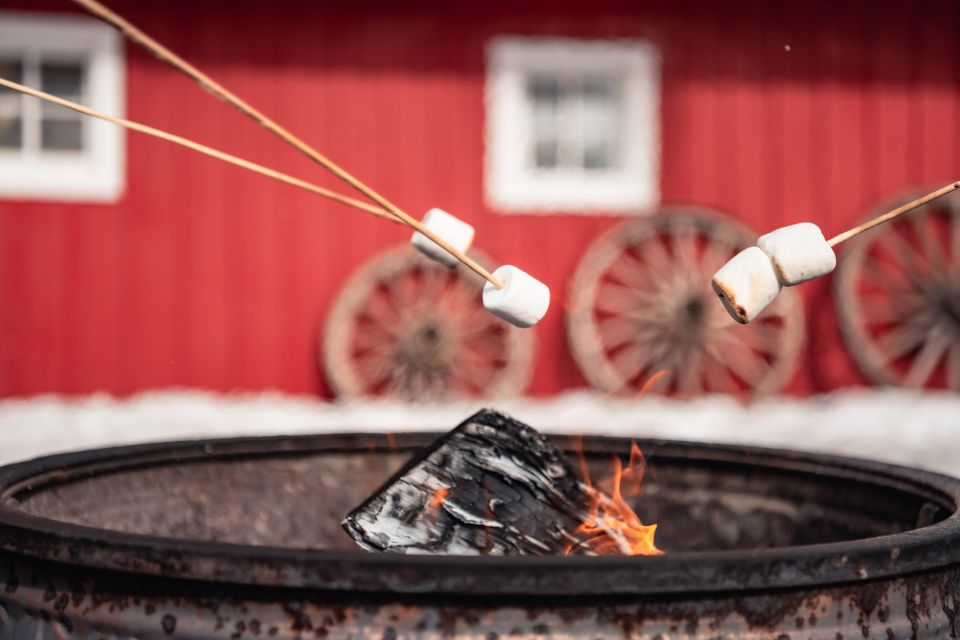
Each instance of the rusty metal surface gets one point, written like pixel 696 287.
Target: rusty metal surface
pixel 232 539
pixel 38 605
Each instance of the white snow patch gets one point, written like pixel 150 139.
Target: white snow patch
pixel 907 427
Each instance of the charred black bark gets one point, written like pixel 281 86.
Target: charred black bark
pixel 491 486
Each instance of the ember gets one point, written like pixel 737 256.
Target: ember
pixel 494 486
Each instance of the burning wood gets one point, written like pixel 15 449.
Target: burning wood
pixel 495 486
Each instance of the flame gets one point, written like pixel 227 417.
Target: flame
pixel 652 380
pixel 612 526
pixel 438 497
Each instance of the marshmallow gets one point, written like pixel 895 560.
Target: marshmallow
pixel 747 284
pixel 798 253
pixel 455 232
pixel 523 301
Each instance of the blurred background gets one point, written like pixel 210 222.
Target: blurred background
pixel 618 151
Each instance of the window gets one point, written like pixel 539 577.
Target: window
pixel 47 151
pixel 572 125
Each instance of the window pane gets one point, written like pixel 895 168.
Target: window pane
pixel 61 129
pixel 62 79
pixel 11 104
pixel 544 95
pixel 599 123
pixel 62 135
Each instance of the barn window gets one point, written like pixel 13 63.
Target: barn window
pixel 46 151
pixel 572 125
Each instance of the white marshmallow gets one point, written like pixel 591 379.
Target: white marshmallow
pixel 747 284
pixel 798 253
pixel 523 301
pixel 455 232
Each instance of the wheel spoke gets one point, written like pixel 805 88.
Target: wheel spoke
pixel 655 256
pixel 684 245
pixel 613 298
pixel 374 367
pixel 433 279
pixel 955 240
pixel 953 366
pixel 480 368
pixel 929 356
pixel 402 290
pixel 752 338
pixel 476 323
pixel 631 272
pixel 716 375
pixel 632 360
pixel 932 248
pixel 745 363
pixel 889 309
pixel 899 249
pixel 689 371
pixel 371 336
pixel 899 341
pixel 617 331
pixel 715 254
pixel 381 313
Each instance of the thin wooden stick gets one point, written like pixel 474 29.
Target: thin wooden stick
pixel 896 213
pixel 164 54
pixel 200 148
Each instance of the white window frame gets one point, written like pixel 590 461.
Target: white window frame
pixel 511 185
pixel 97 173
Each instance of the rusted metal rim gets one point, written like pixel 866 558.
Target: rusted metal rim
pixel 921 550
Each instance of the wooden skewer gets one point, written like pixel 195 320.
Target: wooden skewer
pixel 164 54
pixel 896 213
pixel 200 148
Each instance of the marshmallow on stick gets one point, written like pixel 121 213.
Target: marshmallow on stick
pixel 793 255
pixel 752 279
pixel 455 232
pixel 523 300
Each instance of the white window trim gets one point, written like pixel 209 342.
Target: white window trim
pixel 512 186
pixel 98 174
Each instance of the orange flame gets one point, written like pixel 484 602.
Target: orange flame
pixel 438 498
pixel 652 380
pixel 612 526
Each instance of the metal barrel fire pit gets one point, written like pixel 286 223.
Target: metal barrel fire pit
pixel 241 539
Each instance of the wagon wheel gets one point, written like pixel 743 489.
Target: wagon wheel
pixel 898 294
pixel 409 328
pixel 642 314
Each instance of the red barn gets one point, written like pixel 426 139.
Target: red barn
pixel 152 266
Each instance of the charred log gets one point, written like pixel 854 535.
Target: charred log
pixel 491 486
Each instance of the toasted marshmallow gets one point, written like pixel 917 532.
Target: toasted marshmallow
pixel 523 301
pixel 747 284
pixel 455 232
pixel 798 253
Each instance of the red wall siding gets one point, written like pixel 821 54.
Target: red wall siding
pixel 204 275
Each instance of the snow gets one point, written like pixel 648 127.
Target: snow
pixel 908 427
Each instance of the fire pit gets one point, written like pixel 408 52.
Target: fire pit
pixel 242 539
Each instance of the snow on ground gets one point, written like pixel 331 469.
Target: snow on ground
pixel 921 429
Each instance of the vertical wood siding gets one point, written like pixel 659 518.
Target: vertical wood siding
pixel 203 275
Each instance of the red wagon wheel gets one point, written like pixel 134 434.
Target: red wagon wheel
pixel 642 313
pixel 406 327
pixel 898 296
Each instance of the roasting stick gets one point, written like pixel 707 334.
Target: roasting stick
pixel 890 215
pixel 208 83
pixel 788 256
pixel 209 151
